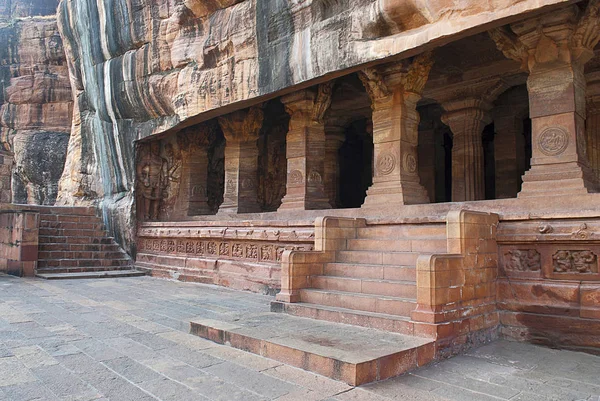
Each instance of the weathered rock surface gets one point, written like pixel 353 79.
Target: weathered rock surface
pixel 140 68
pixel 35 101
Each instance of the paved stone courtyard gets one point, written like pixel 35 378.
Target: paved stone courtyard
pixel 126 339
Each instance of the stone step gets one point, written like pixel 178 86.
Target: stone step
pixel 364 302
pixel 71 225
pixel 83 269
pixel 379 321
pixel 402 231
pixel 50 255
pixel 49 239
pixel 64 210
pixel 60 232
pixel 112 247
pixel 430 245
pixel 83 262
pixel 382 272
pixel 72 218
pixel 402 289
pixel 354 355
pixel 378 257
pixel 91 274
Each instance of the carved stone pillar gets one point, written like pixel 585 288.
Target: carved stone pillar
pixel 193 195
pixel 592 122
pixel 554 48
pixel 305 149
pixel 334 139
pixel 467 119
pixel 394 90
pixel 427 152
pixel 509 151
pixel 241 130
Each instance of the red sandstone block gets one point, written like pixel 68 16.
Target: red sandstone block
pixel 401 273
pixel 397 364
pixel 400 258
pixel 379 245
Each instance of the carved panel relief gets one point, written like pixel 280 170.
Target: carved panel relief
pixel 575 262
pixel 553 141
pixel 523 260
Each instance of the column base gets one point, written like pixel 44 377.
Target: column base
pixel 237 209
pixel 394 193
pixel 288 203
pixel 557 179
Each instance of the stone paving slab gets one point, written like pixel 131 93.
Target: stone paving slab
pixel 128 339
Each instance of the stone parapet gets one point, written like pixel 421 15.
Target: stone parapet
pixel 19 242
pixel 549 281
pixel 456 292
pixel 228 253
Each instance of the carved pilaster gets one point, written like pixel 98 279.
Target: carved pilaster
pixel 395 90
pixel 334 139
pixel 305 142
pixel 188 167
pixel 592 122
pixel 467 119
pixel 553 48
pixel 241 130
pixel 509 144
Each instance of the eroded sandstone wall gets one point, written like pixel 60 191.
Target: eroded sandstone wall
pixel 141 67
pixel 35 98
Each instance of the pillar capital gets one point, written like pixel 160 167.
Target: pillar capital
pixel 566 36
pixel 311 104
pixel 410 76
pixel 242 125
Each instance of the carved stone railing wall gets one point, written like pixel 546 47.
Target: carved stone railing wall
pixel 264 244
pixel 233 254
pixel 548 288
pixel 550 249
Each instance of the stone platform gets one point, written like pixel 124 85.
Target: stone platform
pixel 351 354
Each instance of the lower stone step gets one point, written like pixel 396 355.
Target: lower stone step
pixel 354 355
pixel 358 301
pixel 83 269
pixel 379 321
pixel 91 274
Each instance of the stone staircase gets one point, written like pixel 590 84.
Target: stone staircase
pixel 372 282
pixel 73 243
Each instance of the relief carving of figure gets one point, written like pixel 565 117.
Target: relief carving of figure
pixel 562 261
pixel 584 262
pixel 523 260
pixel 152 175
pixel 174 162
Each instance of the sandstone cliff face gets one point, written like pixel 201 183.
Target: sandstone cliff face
pixel 142 67
pixel 35 100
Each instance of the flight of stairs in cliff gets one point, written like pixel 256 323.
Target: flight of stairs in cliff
pixel 73 243
pixel 373 282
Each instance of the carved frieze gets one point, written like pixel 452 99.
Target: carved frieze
pixel 253 251
pixel 575 261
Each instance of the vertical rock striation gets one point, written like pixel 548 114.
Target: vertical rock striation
pixel 35 98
